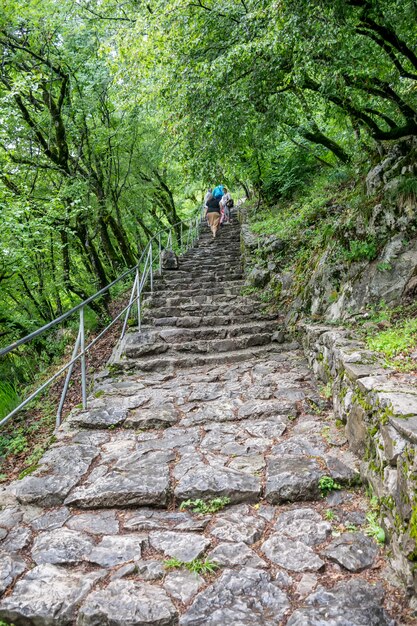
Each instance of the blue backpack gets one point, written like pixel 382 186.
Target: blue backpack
pixel 218 191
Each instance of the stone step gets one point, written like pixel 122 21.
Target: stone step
pixel 202 310
pixel 192 360
pixel 231 230
pixel 196 294
pixel 160 298
pixel 196 321
pixel 208 265
pixel 209 243
pixel 204 259
pixel 171 280
pixel 173 334
pixel 198 274
pixel 207 288
pixel 232 250
pixel 134 349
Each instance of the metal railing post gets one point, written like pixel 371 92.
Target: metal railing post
pixel 180 236
pixel 129 308
pixel 138 297
pixel 67 380
pixel 151 264
pixel 83 368
pixel 159 252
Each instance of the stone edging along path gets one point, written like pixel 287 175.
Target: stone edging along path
pixel 202 405
pixel 379 408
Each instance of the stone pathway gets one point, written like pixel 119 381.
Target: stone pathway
pixel 209 402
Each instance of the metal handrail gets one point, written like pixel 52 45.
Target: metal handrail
pixel 80 349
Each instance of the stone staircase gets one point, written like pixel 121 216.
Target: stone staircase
pixel 197 314
pixel 202 406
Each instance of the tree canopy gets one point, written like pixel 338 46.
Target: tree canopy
pixel 115 116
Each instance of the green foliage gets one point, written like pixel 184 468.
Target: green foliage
pixel 287 175
pixel 330 515
pixel 384 266
pixel 362 250
pixel 14 443
pixel 373 529
pixel 327 390
pixel 197 566
pixel 406 190
pixel 9 398
pixel 400 339
pixel 205 507
pixel 328 484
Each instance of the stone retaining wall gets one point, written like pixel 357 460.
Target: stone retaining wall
pixel 379 410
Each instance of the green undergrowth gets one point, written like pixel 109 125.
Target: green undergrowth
pixel 327 484
pixel 204 507
pixel 397 343
pixel 373 529
pixel 327 216
pixel 196 566
pixel 314 216
pixel 391 332
pixel 9 398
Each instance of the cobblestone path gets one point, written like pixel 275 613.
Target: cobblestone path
pixel 209 403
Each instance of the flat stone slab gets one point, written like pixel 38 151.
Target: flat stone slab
pixel 140 483
pixel 291 555
pixel 401 404
pixel 405 426
pixel 16 539
pixel 155 417
pixel 299 446
pixel 292 478
pixel 238 526
pixel 151 519
pixel 251 464
pixel 236 554
pixel 51 519
pixel 262 408
pixel 243 598
pixel 10 517
pixel 206 393
pixel 65 465
pixel 182 584
pixel 149 570
pixel 125 602
pixel 61 546
pixel 118 549
pixel 203 481
pixel 354 551
pixel 304 525
pixel 48 595
pixel 183 546
pixel 11 567
pixel 270 428
pixel 353 602
pixel 211 412
pixel 100 417
pixel 97 523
